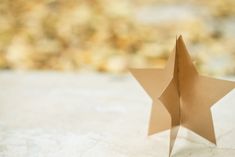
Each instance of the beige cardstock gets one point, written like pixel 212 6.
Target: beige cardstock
pixel 181 97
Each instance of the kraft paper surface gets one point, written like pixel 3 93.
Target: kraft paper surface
pixel 181 97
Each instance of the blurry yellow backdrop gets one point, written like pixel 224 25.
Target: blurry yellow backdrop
pixel 113 35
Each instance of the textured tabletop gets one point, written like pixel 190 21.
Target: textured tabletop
pixel 47 114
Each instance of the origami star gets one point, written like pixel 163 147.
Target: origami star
pixel 181 97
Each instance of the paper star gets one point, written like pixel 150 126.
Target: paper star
pixel 181 97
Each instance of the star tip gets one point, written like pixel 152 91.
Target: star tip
pixel 215 143
pixel 180 37
pixel 131 70
pixel 150 133
pixel 170 153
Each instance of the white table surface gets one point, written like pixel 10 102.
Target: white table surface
pixel 48 114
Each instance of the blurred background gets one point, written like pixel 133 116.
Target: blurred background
pixel 114 35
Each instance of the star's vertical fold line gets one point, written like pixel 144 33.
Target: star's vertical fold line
pixel 185 63
pixel 170 99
